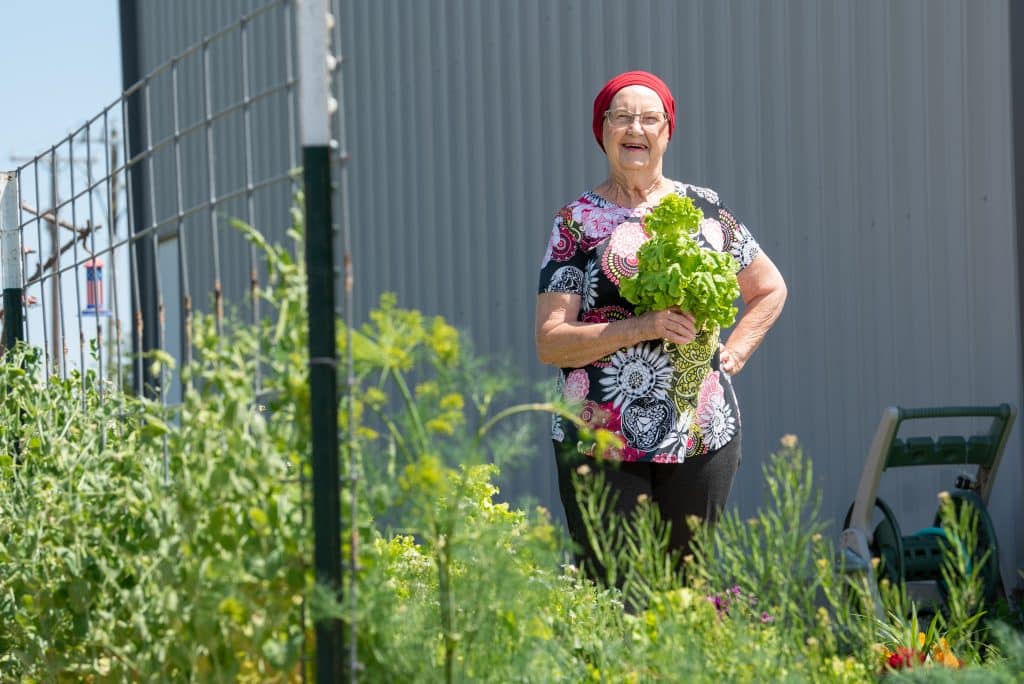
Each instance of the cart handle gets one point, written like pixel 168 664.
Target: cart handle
pixel 1000 411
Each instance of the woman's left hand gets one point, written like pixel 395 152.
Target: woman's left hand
pixel 729 361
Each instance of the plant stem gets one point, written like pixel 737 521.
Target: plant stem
pixel 547 407
pixel 394 431
pixel 414 413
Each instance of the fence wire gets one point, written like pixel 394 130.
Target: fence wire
pixel 123 223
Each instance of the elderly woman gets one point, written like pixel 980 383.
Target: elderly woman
pixel 675 414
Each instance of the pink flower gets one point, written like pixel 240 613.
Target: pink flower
pixel 589 412
pixel 577 384
pixel 712 232
pixel 607 417
pixel 668 458
pixel 598 222
pixel 711 395
pixel 562 245
pixel 627 454
pixel 620 259
pixel 606 314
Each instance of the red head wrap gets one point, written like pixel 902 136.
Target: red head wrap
pixel 644 78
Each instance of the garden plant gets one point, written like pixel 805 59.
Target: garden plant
pixel 141 542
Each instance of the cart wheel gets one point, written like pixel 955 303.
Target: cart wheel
pixel 985 552
pixel 886 542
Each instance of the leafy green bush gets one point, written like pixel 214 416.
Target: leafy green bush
pixel 140 543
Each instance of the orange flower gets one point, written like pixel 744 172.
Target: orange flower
pixel 949 660
pixel 942 654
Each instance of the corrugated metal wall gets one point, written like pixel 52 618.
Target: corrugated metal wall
pixel 220 162
pixel 866 144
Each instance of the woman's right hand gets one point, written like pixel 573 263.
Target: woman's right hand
pixel 672 325
pixel 565 341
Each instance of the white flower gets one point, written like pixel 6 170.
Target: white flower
pixel 707 193
pixel 567 279
pixel 590 285
pixel 676 439
pixel 713 413
pixel 748 249
pixel 635 372
pixel 557 433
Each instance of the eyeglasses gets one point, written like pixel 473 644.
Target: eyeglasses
pixel 620 118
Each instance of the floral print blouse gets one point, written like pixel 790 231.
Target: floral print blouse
pixel 666 402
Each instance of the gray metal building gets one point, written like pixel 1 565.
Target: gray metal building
pixel 868 145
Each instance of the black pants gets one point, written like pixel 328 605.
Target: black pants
pixel 699 486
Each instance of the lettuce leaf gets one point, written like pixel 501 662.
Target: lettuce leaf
pixel 674 270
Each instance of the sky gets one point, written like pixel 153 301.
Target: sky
pixel 62 66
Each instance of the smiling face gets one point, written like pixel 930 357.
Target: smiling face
pixel 635 147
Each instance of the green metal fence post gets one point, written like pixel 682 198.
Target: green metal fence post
pixel 314 127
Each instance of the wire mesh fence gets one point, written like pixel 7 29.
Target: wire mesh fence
pixel 141 197
pixel 123 230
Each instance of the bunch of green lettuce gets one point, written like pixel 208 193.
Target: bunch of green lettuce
pixel 674 270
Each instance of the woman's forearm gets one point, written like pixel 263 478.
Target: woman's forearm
pixel 564 341
pixel 760 314
pixel 573 345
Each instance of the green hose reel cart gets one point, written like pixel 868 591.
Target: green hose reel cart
pixel 871 530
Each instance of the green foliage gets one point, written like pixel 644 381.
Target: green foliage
pixel 141 543
pixel 147 544
pixel 780 555
pixel 674 270
pixel 633 554
pixel 962 576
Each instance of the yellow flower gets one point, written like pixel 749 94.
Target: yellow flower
pixel 881 650
pixel 440 426
pixel 843 666
pixel 375 397
pixel 788 441
pixel 452 401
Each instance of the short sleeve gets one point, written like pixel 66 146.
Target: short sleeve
pixel 724 231
pixel 738 240
pixel 564 264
